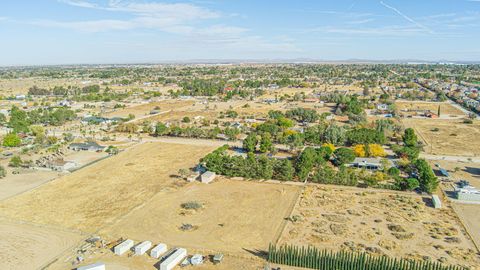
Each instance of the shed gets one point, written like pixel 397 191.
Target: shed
pixel 436 201
pixel 157 251
pixel 208 177
pixel 217 258
pixel 174 259
pixel 123 247
pixel 143 247
pixel 95 266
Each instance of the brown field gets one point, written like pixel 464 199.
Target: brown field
pixel 97 195
pixel 395 224
pixel 144 109
pixel 453 138
pixel 446 109
pixel 236 216
pixel 27 246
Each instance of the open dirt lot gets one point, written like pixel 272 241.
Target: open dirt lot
pixel 25 246
pixel 397 225
pixel 453 137
pixel 99 194
pixel 14 184
pixel 446 109
pixel 236 216
pixel 469 215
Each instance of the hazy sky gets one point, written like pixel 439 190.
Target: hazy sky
pixel 137 31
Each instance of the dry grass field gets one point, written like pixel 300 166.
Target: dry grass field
pixel 446 109
pixel 145 109
pixel 235 216
pixel 99 194
pixel 25 246
pixel 398 225
pixel 452 138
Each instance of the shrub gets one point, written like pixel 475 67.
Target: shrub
pixel 193 205
pixel 11 140
pixel 15 162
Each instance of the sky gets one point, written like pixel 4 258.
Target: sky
pixel 48 32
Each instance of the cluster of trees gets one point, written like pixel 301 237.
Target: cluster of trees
pixel 418 168
pixel 20 120
pixel 369 150
pixel 252 166
pixel 195 132
pixel 314 258
pixel 63 91
pixel 263 141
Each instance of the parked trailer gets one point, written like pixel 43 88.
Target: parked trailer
pixel 143 247
pixel 157 251
pixel 123 247
pixel 95 266
pixel 174 259
pixel 436 201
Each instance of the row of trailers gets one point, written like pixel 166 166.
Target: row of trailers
pixel 167 262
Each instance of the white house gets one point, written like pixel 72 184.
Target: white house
pixel 143 247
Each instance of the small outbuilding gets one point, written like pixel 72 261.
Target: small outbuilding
pixel 436 201
pixel 157 251
pixel 175 258
pixel 143 247
pixel 208 177
pixel 95 266
pixel 217 258
pixel 123 247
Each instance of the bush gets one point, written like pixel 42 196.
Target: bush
pixel 3 172
pixel 193 205
pixel 11 140
pixel 15 162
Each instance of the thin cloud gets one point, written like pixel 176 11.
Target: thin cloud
pixel 406 17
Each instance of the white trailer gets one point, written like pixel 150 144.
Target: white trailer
pixel 143 247
pixel 95 266
pixel 123 247
pixel 437 203
pixel 157 251
pixel 174 259
pixel 208 177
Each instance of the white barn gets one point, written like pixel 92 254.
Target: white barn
pixel 173 259
pixel 123 247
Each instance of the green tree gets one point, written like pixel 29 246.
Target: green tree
pixel 410 138
pixel 18 120
pixel 283 170
pixel 250 142
pixel 305 162
pixel 428 182
pixel 344 156
pixel 266 144
pixel 160 129
pixel 11 140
